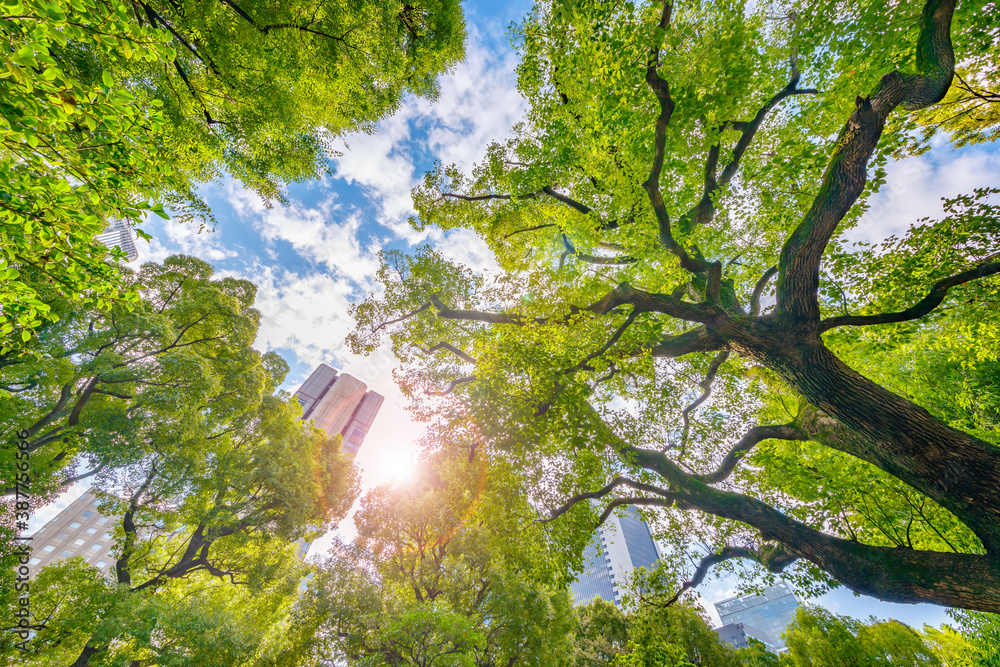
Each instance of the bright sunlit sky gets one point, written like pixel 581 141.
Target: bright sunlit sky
pixel 314 257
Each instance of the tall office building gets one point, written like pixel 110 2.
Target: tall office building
pixel 619 546
pixel 79 530
pixel 738 635
pixel 119 233
pixel 770 613
pixel 339 403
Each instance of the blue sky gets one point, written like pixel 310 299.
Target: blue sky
pixel 314 257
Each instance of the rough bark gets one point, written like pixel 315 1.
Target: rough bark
pixel 957 470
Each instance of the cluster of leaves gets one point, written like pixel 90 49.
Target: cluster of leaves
pixel 75 153
pixel 210 476
pixel 103 388
pixel 112 111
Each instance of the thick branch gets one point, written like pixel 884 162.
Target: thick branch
pixel 895 575
pixel 600 493
pixel 651 302
pixel 919 309
pixel 758 290
pixel 754 436
pixel 846 176
pixel 727 553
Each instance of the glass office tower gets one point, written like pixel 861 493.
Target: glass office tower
pixel 770 613
pixel 619 546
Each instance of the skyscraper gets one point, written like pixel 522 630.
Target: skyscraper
pixel 738 635
pixel 339 403
pixel 79 530
pixel 119 233
pixel 619 546
pixel 770 613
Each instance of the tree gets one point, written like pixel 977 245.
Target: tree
pixel 111 112
pixel 982 632
pixel 673 164
pixel 105 388
pixel 204 528
pixel 649 635
pixel 445 571
pixel 260 87
pixel 817 638
pixel 75 153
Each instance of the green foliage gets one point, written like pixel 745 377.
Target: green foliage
pixel 259 88
pixel 205 559
pixel 649 636
pixel 982 634
pixel 75 153
pixel 112 112
pixel 585 353
pixel 445 571
pixel 817 638
pixel 105 388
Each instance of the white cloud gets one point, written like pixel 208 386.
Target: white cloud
pixel 914 188
pixel 185 238
pixel 479 103
pixel 306 313
pixel 313 232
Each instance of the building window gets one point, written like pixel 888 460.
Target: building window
pixel 49 547
pixel 79 541
pixel 34 561
pixel 87 515
pixel 75 524
pixel 95 546
pixel 108 536
pixel 91 530
pixel 61 536
pixel 101 563
pixel 66 554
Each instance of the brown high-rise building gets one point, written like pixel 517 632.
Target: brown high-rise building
pixel 339 403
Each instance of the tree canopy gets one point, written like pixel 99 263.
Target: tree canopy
pixel 112 112
pixel 206 529
pixel 679 322
pixel 448 569
pixel 105 388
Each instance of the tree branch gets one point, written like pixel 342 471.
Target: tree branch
pixel 919 309
pixel 451 386
pixel 754 436
pixel 706 391
pixel 846 175
pixel 758 290
pixel 450 348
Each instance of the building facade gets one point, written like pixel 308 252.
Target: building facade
pixel 119 233
pixel 620 545
pixel 79 530
pixel 738 635
pixel 770 613
pixel 339 403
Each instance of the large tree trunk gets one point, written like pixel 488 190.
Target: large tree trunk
pixel 958 471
